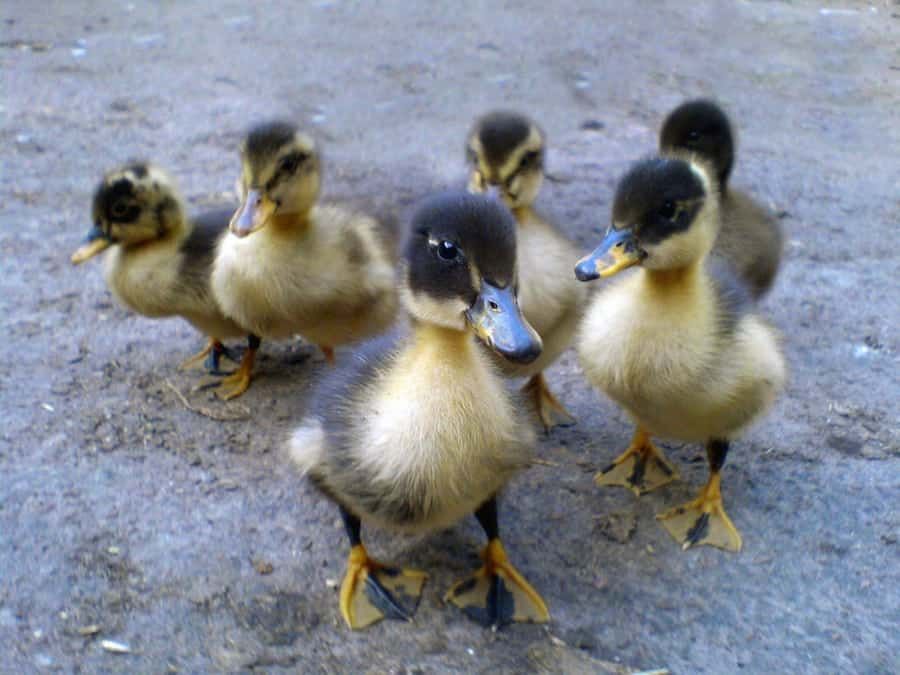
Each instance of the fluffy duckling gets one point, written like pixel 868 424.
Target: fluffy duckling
pixel 419 430
pixel 678 344
pixel 159 260
pixel 505 151
pixel 290 265
pixel 750 238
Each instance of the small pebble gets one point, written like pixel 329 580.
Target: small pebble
pixel 115 647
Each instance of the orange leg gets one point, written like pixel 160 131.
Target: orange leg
pixel 328 353
pixel 551 412
pixel 239 381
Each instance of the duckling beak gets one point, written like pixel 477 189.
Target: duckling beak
pixel 619 250
pixel 494 192
pixel 95 242
pixel 253 214
pixel 498 322
pixel 477 182
pixel 480 185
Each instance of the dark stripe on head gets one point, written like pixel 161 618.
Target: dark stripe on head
pixel 659 197
pixel 481 228
pixel 500 132
pixel 701 126
pixel 114 202
pixel 139 169
pixel 264 140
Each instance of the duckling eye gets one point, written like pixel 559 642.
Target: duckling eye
pixel 119 208
pixel 290 163
pixel 529 159
pixel 447 250
pixel 667 210
pixel 693 135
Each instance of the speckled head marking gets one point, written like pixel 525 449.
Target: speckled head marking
pixel 133 204
pixel 459 268
pixel 506 150
pixel 664 216
pixel 701 126
pixel 280 168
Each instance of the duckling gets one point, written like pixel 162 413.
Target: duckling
pixel 678 344
pixel 159 260
pixel 505 151
pixel 290 265
pixel 750 238
pixel 419 430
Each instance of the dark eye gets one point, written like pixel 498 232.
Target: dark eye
pixel 447 250
pixel 529 159
pixel 667 210
pixel 290 163
pixel 693 135
pixel 119 208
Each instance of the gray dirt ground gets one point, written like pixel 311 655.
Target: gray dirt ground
pixel 120 508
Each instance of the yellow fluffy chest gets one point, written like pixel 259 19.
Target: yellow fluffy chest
pixel 442 430
pixel 145 279
pixel 275 284
pixel 655 355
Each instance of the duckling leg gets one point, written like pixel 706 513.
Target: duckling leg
pixel 703 520
pixel 212 352
pixel 328 353
pixel 497 594
pixel 641 468
pixel 372 591
pixel 546 404
pixel 238 382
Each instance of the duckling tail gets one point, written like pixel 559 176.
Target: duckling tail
pixel 307 445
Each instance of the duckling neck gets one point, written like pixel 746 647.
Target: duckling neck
pixel 173 235
pixel 298 222
pixel 524 214
pixel 680 280
pixel 451 344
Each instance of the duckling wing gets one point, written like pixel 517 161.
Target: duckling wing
pixel 321 446
pixel 199 248
pixel 751 239
pixel 334 395
pixel 734 297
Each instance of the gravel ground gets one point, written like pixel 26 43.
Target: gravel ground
pixel 127 516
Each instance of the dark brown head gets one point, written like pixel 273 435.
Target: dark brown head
pixel 133 204
pixel 701 127
pixel 459 269
pixel 279 176
pixel 505 152
pixel 665 216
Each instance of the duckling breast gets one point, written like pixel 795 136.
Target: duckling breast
pixel 428 442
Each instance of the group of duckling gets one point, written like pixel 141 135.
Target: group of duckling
pixel 416 427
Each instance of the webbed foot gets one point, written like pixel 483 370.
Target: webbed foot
pixel 641 468
pixel 703 520
pixel 551 412
pixel 372 591
pixel 211 355
pixel 497 594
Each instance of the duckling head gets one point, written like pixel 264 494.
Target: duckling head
pixel 505 152
pixel 279 177
pixel 459 272
pixel 133 204
pixel 701 127
pixel 665 217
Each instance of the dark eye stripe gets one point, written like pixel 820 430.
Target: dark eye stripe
pixel 129 215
